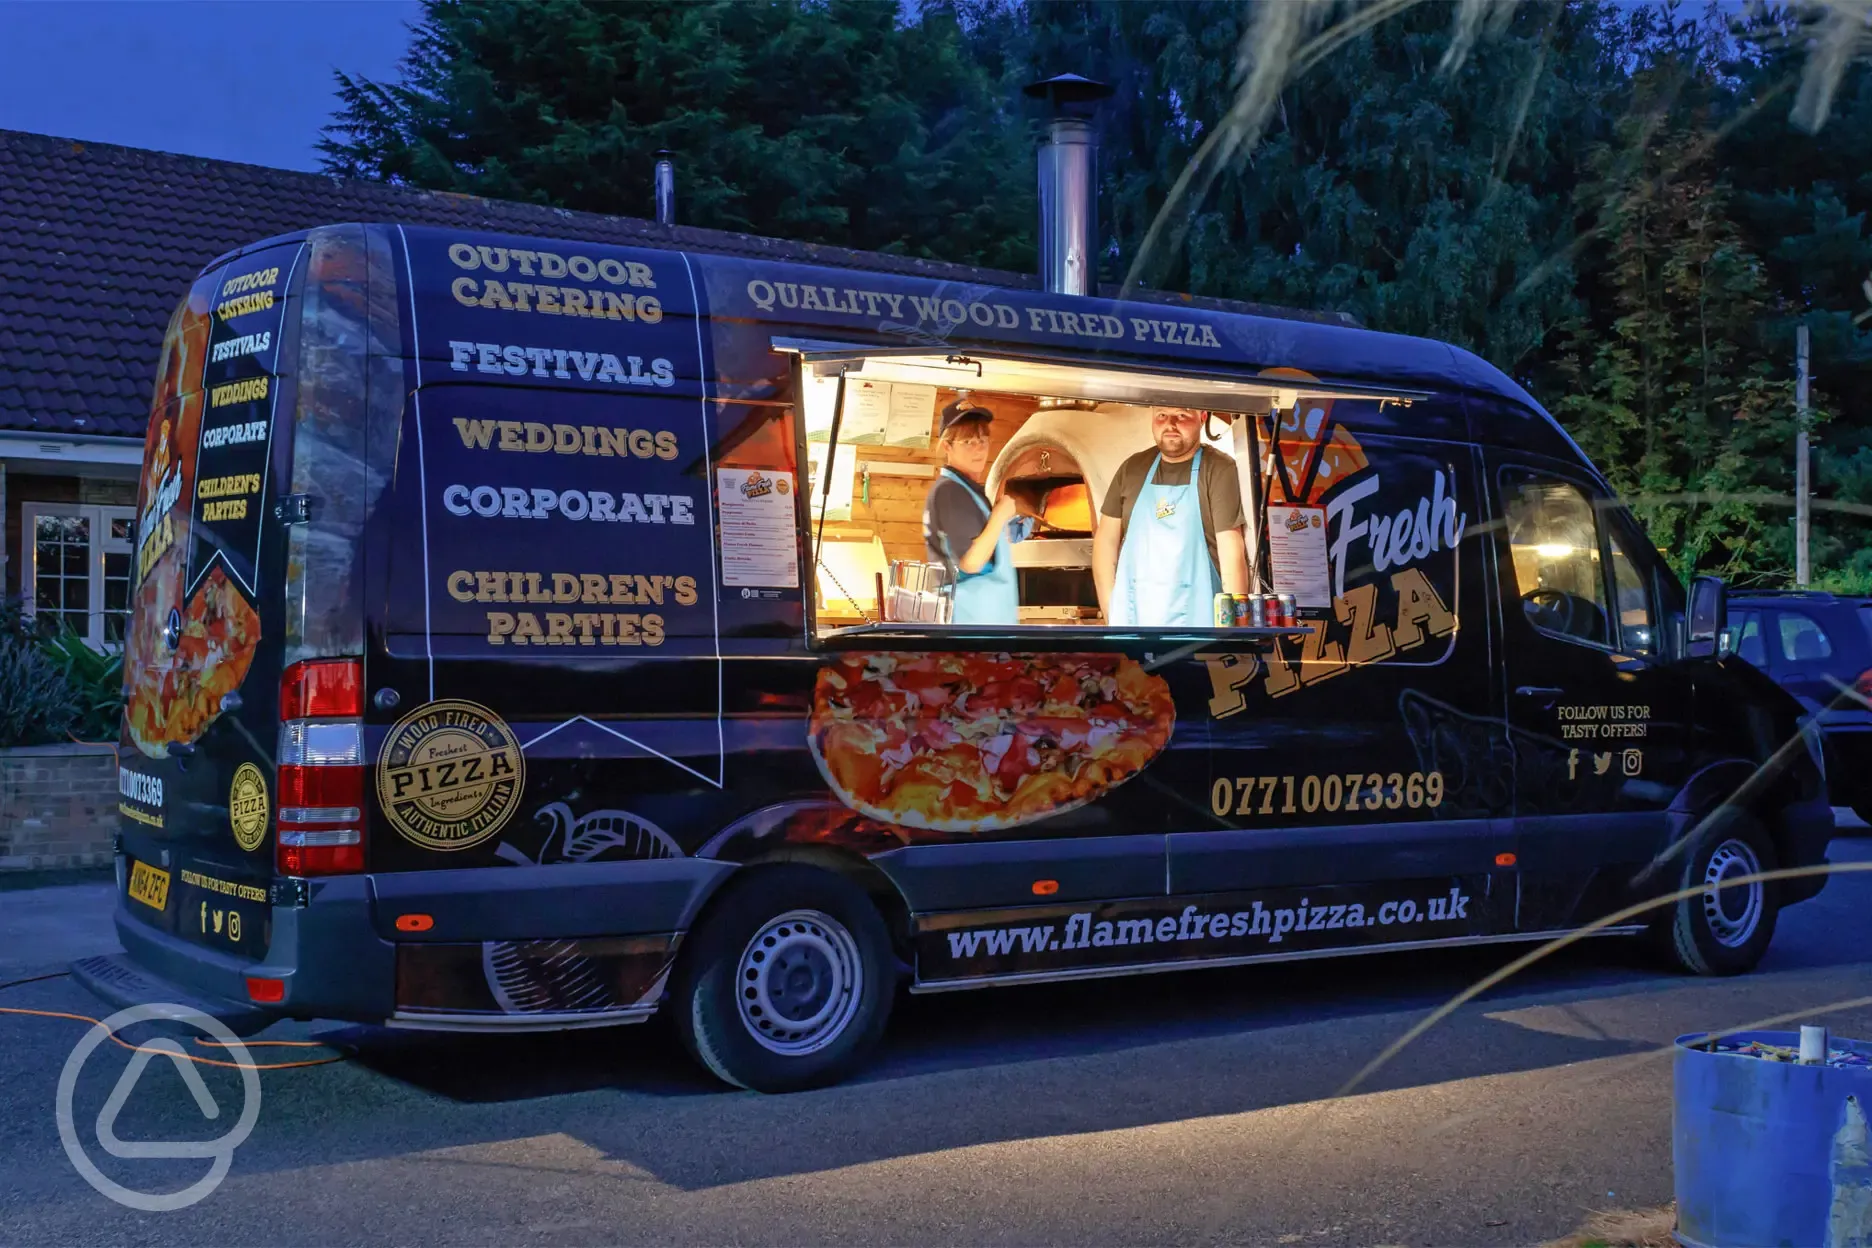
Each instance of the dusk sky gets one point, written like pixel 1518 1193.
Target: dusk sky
pixel 247 80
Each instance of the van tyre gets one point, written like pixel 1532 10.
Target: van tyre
pixel 789 981
pixel 1723 931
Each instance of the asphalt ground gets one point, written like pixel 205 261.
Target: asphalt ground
pixel 1189 1108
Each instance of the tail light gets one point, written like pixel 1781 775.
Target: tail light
pixel 1863 685
pixel 321 768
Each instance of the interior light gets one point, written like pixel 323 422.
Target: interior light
pixel 1555 550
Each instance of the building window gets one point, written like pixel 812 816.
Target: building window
pixel 76 564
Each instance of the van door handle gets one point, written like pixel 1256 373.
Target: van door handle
pixel 1544 693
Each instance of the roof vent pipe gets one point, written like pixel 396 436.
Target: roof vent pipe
pixel 665 186
pixel 1069 183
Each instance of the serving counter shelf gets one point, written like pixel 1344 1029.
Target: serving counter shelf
pixel 911 636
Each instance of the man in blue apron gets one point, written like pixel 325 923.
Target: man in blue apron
pixel 964 531
pixel 1170 531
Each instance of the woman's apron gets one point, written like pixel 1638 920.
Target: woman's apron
pixel 992 595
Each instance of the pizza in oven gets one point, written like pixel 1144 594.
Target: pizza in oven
pixel 975 742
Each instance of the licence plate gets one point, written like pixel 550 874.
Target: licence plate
pixel 149 885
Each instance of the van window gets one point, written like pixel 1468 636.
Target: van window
pixel 1554 542
pixel 1637 620
pixel 1803 640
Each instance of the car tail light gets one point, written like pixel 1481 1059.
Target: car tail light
pixel 321 768
pixel 1863 685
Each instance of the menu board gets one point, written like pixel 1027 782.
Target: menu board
pixel 240 382
pixel 1297 554
pixel 759 541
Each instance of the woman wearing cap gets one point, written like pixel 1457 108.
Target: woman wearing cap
pixel 963 531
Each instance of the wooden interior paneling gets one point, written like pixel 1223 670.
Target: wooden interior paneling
pixel 894 509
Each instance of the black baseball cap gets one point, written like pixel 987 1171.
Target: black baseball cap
pixel 961 413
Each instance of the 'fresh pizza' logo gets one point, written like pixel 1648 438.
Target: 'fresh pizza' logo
pixel 756 485
pixel 450 775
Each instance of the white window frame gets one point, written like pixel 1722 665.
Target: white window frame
pixel 99 516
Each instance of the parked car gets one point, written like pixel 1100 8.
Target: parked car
pixel 1818 647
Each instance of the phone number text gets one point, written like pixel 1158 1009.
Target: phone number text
pixel 1287 795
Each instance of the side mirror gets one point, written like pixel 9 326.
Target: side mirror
pixel 1709 616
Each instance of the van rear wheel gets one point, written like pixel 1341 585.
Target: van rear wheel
pixel 1725 928
pixel 789 982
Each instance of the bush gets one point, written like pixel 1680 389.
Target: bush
pixel 53 687
pixel 38 705
pixel 96 682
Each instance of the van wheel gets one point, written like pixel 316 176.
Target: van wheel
pixel 789 981
pixel 1725 929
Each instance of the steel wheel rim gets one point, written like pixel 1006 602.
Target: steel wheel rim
pixel 799 982
pixel 1734 912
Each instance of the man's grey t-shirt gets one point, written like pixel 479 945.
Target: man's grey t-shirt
pixel 1219 491
pixel 953 518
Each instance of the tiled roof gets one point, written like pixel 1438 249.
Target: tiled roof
pixel 97 243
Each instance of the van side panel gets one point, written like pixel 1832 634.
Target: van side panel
pixel 1372 750
pixel 547 684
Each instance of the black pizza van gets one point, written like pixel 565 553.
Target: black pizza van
pixel 531 634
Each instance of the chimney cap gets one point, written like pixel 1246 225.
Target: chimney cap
pixel 1069 94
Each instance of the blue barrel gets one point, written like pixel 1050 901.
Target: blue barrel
pixel 1771 1153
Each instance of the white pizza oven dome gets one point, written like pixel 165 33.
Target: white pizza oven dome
pixel 1084 444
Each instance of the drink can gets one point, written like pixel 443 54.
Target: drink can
pixel 1257 610
pixel 1289 611
pixel 1225 611
pixel 1241 611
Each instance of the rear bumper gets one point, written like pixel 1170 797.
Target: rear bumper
pixel 121 983
pixel 334 956
pixel 325 954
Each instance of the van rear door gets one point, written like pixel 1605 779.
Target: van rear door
pixel 202 654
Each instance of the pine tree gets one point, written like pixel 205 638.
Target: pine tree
pixel 1678 399
pixel 830 122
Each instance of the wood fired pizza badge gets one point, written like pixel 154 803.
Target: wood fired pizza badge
pixel 978 742
pixel 450 775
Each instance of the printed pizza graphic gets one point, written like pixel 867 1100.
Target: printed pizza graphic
pixel 1339 457
pixel 978 742
pixel 174 698
pixel 174 684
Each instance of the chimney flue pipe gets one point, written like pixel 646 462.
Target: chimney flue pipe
pixel 1069 183
pixel 665 187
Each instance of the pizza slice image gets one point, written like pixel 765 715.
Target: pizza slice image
pixel 1342 459
pixel 982 742
pixel 1302 433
